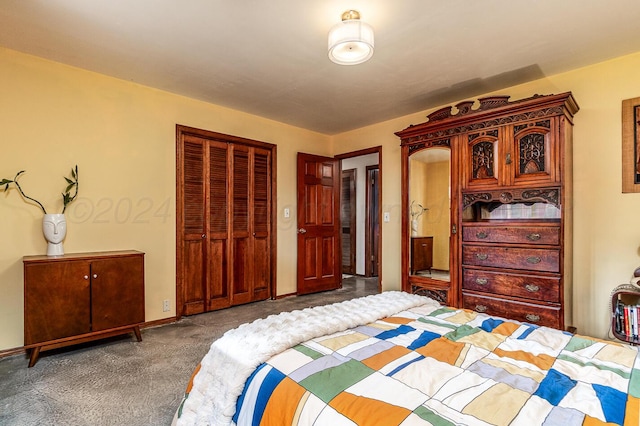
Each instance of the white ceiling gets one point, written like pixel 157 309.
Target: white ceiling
pixel 270 57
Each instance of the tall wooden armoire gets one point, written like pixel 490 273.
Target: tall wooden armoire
pixel 511 206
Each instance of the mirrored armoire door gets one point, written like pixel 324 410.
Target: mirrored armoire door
pixel 429 219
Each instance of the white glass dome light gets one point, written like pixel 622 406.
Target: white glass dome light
pixel 350 41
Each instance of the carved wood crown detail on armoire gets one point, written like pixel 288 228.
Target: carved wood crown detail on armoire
pixel 510 206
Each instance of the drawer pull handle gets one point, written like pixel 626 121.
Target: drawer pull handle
pixel 534 260
pixel 481 308
pixel 533 237
pixel 482 256
pixel 482 235
pixel 532 317
pixel 423 245
pixel 532 288
pixel 481 281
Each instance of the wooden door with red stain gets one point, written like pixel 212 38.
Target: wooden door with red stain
pixel 319 265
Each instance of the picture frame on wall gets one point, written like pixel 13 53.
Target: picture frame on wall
pixel 631 145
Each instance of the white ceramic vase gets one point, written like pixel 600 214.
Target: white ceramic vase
pixel 414 228
pixel 54 227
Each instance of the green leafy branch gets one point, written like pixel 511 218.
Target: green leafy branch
pixel 72 184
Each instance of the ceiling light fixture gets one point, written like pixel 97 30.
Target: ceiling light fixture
pixel 351 41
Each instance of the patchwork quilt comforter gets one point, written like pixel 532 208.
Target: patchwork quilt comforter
pixel 423 364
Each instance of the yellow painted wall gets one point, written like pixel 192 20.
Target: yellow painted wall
pixel 606 222
pixel 122 136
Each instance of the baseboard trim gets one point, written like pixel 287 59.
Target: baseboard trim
pixel 282 296
pixel 148 324
pixel 158 322
pixel 10 352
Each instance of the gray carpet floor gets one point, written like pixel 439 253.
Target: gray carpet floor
pixel 120 381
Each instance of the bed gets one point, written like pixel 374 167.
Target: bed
pixel 402 359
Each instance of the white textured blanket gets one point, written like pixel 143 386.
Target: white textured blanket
pixel 233 357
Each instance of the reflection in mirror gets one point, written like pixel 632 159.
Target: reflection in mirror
pixel 430 204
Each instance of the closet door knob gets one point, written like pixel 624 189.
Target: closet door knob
pixel 86 277
pixel 95 275
pixel 302 231
pixel 203 236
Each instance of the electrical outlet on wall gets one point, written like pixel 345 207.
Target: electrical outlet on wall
pixel 165 306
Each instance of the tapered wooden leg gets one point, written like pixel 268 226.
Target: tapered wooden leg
pixel 35 353
pixel 136 330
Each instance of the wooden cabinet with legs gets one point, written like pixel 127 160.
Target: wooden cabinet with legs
pixel 511 230
pixel 79 297
pixel 421 254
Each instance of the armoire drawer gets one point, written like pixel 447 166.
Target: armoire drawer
pixel 533 259
pixel 549 235
pixel 517 285
pixel 543 315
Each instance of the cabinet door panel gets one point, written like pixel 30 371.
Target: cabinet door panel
pixel 117 292
pixel 216 264
pixel 56 301
pixel 193 232
pixel 261 224
pixel 482 157
pixel 534 155
pixel 193 254
pixel 241 285
pixel 218 283
pixel 261 268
